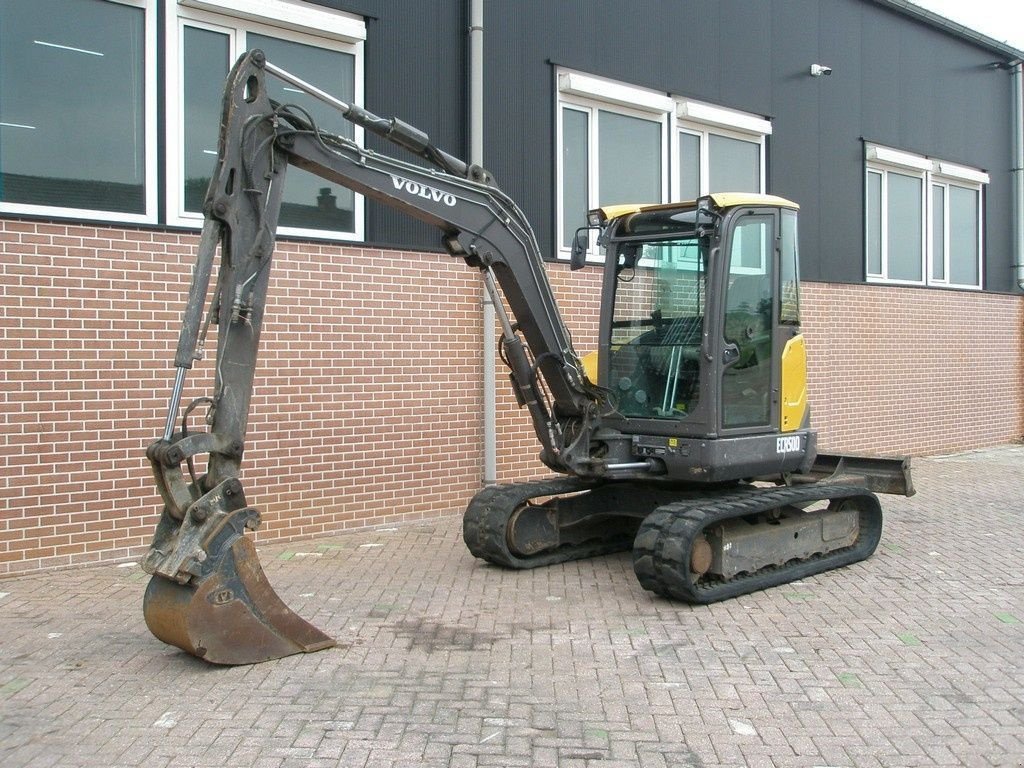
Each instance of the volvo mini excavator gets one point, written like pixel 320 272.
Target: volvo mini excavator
pixel 685 437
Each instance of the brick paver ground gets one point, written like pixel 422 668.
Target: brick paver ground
pixel 912 658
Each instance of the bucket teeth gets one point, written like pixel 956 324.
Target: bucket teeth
pixel 230 615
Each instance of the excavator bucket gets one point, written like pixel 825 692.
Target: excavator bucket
pixel 209 595
pixel 230 616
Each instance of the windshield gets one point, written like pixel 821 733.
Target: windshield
pixel 657 326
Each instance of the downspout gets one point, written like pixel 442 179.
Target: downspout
pixel 476 157
pixel 1017 172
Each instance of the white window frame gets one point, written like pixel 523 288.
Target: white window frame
pixel 152 182
pixel 703 120
pixel 949 184
pixel 291 20
pixel 883 172
pixel 882 161
pixel 589 94
pixel 704 133
pixel 589 111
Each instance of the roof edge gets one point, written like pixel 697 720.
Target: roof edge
pixel 937 21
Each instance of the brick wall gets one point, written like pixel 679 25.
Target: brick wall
pixel 368 396
pixel 366 405
pixel 85 328
pixel 908 370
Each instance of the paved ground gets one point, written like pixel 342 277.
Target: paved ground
pixel 912 658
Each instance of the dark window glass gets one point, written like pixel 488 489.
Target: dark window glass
pixel 629 159
pixel 689 166
pixel 874 224
pixel 309 201
pixel 789 277
pixel 206 56
pixel 72 105
pixel 746 381
pixel 575 176
pixel 734 165
pixel 905 226
pixel 657 329
pixel 963 236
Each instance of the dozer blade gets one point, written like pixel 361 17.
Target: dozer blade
pixel 230 616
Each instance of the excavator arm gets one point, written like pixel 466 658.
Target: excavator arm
pixel 208 594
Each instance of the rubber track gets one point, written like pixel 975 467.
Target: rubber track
pixel 661 552
pixel 488 514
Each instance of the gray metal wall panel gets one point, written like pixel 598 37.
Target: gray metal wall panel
pixel 415 62
pixel 796 141
pixel 834 217
pixel 929 92
pixel 744 46
pixel 895 81
pixel 519 107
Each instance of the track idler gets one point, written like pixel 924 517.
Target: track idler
pixel 209 595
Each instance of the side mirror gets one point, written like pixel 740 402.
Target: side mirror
pixel 580 244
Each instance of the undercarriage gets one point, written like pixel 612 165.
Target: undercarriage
pixel 699 545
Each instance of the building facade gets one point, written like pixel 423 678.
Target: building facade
pixel 897 132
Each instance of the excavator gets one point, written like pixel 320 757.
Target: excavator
pixel 685 437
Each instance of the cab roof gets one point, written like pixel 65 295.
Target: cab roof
pixel 720 199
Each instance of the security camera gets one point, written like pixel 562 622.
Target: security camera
pixel 817 70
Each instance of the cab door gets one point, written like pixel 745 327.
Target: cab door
pixel 749 368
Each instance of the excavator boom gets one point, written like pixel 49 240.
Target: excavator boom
pixel 208 594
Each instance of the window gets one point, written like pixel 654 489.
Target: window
pixel 960 250
pixel 789 273
pixel 622 144
pixel 320 46
pixel 78 108
pixel 720 150
pixel 657 328
pixel 613 147
pixel 746 380
pixel 923 220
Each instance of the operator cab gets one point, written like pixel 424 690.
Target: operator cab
pixel 700 330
